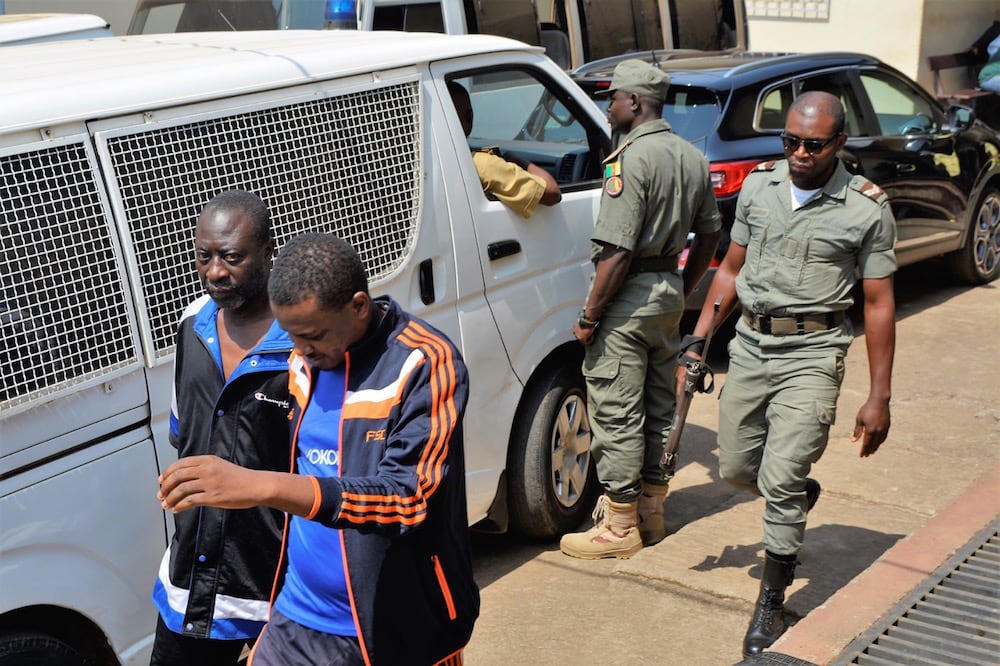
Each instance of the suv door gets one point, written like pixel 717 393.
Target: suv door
pixel 914 161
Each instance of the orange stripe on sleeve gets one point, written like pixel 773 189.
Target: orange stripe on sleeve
pixel 358 508
pixel 317 498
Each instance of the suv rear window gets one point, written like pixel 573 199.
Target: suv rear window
pixel 692 112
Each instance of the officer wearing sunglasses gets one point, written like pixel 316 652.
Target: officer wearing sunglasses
pixel 804 228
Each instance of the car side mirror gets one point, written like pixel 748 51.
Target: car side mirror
pixel 960 117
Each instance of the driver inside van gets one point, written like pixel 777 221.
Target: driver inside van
pixel 519 184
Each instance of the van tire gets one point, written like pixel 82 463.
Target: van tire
pixel 977 262
pixel 551 475
pixel 35 649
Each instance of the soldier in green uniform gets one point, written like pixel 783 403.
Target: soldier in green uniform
pixel 656 190
pixel 804 227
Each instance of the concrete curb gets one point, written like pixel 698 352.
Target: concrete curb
pixel 823 634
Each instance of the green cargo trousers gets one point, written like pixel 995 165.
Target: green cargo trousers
pixel 629 368
pixel 774 423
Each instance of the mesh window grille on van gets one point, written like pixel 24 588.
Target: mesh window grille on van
pixel 347 164
pixel 64 318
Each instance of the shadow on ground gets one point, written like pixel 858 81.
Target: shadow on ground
pixel 833 555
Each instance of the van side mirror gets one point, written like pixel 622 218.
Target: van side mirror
pixel 960 117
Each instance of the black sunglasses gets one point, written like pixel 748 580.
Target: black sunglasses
pixel 790 142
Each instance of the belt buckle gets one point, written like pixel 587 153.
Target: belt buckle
pixel 763 324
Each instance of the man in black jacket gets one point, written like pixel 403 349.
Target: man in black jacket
pixel 230 400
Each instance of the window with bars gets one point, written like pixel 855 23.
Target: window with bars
pixel 63 307
pixel 348 164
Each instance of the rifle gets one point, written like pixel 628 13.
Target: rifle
pixel 694 380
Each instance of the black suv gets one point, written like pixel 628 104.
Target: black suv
pixel 940 167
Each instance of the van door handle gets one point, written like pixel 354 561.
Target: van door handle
pixel 503 248
pixel 426 278
pixel 903 167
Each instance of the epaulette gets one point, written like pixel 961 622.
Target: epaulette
pixel 765 166
pixel 617 152
pixel 868 188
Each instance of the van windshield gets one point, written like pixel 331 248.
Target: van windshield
pixel 165 16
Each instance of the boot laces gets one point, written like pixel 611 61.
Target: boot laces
pixel 767 607
pixel 600 510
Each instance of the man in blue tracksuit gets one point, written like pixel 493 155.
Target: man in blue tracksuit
pixel 377 403
pixel 230 400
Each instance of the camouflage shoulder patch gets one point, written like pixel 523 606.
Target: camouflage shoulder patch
pixel 868 188
pixel 765 166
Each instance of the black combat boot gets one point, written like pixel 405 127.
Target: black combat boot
pixel 768 622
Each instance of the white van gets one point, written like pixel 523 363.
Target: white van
pixel 108 150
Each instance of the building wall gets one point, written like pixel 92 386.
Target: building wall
pixel 900 32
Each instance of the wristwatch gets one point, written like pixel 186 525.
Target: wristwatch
pixel 585 323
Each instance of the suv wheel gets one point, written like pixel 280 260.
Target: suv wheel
pixel 979 261
pixel 551 476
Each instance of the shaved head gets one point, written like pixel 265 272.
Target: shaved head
pixel 817 102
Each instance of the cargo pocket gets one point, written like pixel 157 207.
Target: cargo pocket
pixel 826 412
pixel 601 373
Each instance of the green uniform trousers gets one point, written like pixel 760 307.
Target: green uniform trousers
pixel 774 422
pixel 629 368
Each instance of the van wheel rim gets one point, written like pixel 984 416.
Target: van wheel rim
pixel 570 451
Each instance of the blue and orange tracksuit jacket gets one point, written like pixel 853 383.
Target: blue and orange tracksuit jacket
pixel 399 501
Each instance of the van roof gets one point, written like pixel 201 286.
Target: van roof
pixel 57 82
pixel 23 28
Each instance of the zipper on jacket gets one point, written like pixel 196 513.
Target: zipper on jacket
pixel 445 590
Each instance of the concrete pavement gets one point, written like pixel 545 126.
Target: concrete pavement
pixel 882 524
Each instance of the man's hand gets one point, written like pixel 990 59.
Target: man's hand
pixel 681 372
pixel 207 481
pixel 584 335
pixel 872 422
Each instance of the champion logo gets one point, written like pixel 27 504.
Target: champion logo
pixel 263 398
pixel 322 456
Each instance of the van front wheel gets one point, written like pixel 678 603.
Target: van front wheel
pixel 551 478
pixel 33 649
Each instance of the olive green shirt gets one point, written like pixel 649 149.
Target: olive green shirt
pixel 805 261
pixel 657 189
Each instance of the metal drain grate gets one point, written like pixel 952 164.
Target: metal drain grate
pixel 951 619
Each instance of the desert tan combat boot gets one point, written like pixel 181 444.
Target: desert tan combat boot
pixel 614 533
pixel 652 529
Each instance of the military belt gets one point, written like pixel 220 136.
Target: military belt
pixel 653 265
pixel 793 324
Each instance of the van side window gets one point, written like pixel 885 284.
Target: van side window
pixel 518 114
pixel 347 164
pixel 64 319
pixel 420 17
